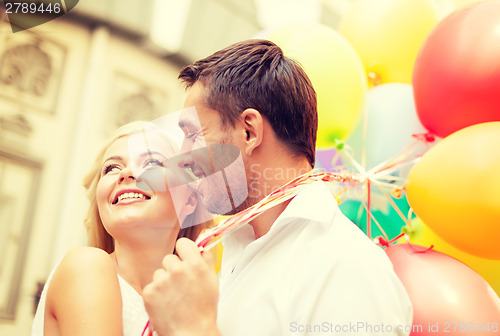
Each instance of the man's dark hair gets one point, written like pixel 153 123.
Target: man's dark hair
pixel 255 74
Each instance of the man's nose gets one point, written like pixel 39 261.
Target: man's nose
pixel 185 160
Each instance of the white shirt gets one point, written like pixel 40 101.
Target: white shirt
pixel 314 273
pixel 134 313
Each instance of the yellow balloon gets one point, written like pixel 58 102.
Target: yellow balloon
pixel 421 234
pixel 217 254
pixel 218 249
pixel 336 73
pixel 454 189
pixel 387 34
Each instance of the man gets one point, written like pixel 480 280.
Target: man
pixel 301 267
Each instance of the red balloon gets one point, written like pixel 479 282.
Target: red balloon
pixel 448 297
pixel 456 78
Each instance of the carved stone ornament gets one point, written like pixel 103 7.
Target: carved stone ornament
pixel 16 123
pixel 31 67
pixel 135 107
pixel 27 68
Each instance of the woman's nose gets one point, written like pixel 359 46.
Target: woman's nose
pixel 127 174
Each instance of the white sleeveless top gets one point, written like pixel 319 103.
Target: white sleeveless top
pixel 134 314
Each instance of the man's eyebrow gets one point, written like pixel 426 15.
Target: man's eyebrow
pixel 150 152
pixel 183 123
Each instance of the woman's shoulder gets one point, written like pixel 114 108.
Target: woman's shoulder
pixel 85 263
pixel 85 288
pixel 86 255
pixel 82 266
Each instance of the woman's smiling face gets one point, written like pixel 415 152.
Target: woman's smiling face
pixel 121 202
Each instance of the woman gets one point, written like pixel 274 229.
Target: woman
pixel 138 196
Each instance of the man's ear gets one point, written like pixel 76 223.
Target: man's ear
pixel 253 126
pixel 188 208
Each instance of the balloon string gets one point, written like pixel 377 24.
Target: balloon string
pixel 410 212
pixel 365 131
pixel 365 207
pixel 389 178
pixel 381 175
pixel 404 152
pixel 387 173
pixel 368 210
pixel 346 155
pixel 384 242
pixel 425 137
pixel 396 159
pixel 420 251
pixel 407 237
pixel 147 331
pixel 393 204
pixel 282 194
pixel 335 158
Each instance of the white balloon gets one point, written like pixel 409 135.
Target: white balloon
pixel 390 120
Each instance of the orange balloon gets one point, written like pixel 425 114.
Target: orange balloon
pixel 455 187
pixel 421 234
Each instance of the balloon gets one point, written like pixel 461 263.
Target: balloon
pixel 387 35
pixel 448 297
pixel 421 234
pixel 335 71
pixel 217 255
pixel 218 249
pixel 328 159
pixel 444 7
pixel 381 210
pixel 391 120
pixel 456 78
pixel 455 187
pixel 461 3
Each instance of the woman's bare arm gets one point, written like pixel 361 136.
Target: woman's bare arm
pixel 84 296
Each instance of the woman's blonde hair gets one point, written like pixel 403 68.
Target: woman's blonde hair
pixel 97 234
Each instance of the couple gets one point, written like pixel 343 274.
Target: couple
pixel 300 268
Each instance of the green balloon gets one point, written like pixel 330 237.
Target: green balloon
pixel 388 218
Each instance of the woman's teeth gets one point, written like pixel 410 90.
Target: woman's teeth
pixel 130 195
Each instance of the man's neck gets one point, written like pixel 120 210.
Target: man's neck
pixel 272 178
pixel 262 224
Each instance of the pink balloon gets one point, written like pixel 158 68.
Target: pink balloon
pixel 448 297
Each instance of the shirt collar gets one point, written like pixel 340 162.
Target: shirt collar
pixel 315 203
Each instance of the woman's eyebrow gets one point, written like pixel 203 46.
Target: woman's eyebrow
pixel 142 155
pixel 118 158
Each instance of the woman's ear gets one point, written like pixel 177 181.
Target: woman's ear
pixel 187 209
pixel 253 127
